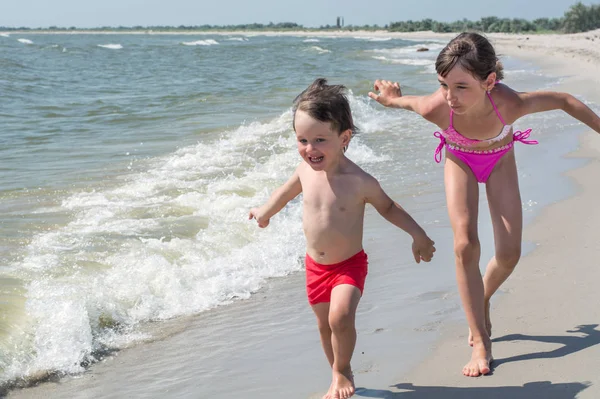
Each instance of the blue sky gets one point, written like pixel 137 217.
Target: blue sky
pixel 310 13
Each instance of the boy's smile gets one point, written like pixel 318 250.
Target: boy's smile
pixel 318 144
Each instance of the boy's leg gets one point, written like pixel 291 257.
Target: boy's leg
pixel 342 314
pixel 462 195
pixel 322 312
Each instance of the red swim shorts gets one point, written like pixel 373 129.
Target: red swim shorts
pixel 320 279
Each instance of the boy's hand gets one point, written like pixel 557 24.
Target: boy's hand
pixel 423 248
pixel 255 214
pixel 388 91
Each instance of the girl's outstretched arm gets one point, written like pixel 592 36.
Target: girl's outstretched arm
pixel 541 101
pixel 390 95
pixel 279 198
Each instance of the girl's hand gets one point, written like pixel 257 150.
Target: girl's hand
pixel 388 91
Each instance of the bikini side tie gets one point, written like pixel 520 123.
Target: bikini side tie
pixel 440 147
pixel 523 136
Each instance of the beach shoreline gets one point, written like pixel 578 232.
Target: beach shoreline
pixel 549 293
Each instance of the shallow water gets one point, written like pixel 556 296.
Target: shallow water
pixel 128 165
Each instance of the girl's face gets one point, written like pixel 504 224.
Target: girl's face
pixel 318 144
pixel 462 90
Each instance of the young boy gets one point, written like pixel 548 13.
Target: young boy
pixel 335 191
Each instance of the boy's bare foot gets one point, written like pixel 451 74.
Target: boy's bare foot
pixel 480 360
pixel 488 324
pixel 342 386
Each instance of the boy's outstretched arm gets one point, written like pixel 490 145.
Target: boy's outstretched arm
pixel 278 199
pixel 422 247
pixel 541 101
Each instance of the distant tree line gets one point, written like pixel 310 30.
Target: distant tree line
pixel 162 28
pixel 282 26
pixel 579 18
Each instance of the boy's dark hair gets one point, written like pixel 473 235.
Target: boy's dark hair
pixel 325 103
pixel 471 51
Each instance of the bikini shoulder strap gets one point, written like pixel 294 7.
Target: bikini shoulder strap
pixel 495 108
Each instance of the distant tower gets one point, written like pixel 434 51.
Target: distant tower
pixel 337 23
pixel 342 21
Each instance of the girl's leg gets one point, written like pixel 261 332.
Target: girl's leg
pixel 322 312
pixel 507 219
pixel 342 313
pixel 462 195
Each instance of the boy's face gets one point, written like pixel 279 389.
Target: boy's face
pixel 462 90
pixel 318 144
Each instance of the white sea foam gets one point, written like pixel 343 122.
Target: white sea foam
pixel 405 61
pixel 320 50
pixel 111 46
pixel 375 39
pixel 172 240
pixel 208 42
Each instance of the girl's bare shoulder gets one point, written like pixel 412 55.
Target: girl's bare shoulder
pixel 508 101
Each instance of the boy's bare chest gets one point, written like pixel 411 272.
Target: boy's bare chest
pixel 336 197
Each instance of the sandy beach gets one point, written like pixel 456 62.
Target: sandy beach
pixel 545 319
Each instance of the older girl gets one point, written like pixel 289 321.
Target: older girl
pixel 475 113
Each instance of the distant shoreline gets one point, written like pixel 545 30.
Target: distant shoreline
pixel 571 45
pixel 319 33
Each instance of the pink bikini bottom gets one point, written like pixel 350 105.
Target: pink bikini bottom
pixel 481 162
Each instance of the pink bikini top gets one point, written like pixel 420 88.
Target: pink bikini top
pixel 455 137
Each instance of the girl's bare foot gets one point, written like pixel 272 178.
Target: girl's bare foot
pixel 342 386
pixel 480 360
